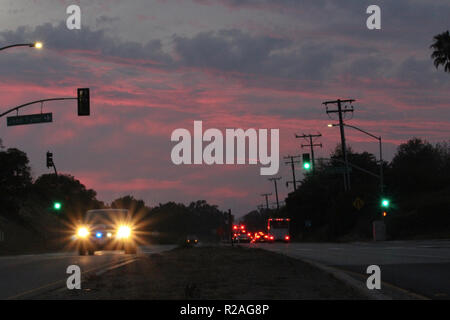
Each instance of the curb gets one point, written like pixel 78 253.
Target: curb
pixel 349 281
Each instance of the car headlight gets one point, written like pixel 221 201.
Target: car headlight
pixel 82 232
pixel 123 232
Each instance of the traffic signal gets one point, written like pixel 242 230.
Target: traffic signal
pixel 49 159
pixel 306 161
pixel 83 102
pixel 57 206
pixel 385 203
pixel 385 213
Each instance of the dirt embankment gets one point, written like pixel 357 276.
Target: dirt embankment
pixel 212 273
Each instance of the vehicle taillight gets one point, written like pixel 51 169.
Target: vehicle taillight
pixel 287 238
pixel 271 237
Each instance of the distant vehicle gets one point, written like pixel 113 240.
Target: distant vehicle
pixel 262 237
pixel 278 228
pixel 106 229
pixel 240 234
pixel 192 239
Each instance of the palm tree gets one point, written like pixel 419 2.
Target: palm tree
pixel 441 53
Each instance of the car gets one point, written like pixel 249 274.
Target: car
pixel 262 237
pixel 242 237
pixel 106 229
pixel 192 240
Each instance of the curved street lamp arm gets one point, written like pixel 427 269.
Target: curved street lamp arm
pixel 18 45
pixel 363 131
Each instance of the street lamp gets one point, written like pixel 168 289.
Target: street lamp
pixel 330 125
pixel 37 45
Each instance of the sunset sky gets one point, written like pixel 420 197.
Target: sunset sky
pixel 155 66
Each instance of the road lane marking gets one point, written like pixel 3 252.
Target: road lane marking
pixel 63 281
pixel 98 273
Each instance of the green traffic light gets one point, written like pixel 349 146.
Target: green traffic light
pixel 57 205
pixel 307 166
pixel 385 203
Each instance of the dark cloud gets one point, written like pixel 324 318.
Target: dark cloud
pixel 229 50
pixel 243 53
pixel 61 38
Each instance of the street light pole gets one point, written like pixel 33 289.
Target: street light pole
pixel 37 45
pixel 380 146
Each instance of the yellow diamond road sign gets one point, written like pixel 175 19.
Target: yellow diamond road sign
pixel 358 203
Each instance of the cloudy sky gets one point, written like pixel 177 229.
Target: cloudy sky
pixel 157 65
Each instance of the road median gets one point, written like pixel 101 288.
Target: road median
pixel 211 273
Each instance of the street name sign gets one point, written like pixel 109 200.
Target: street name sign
pixel 29 119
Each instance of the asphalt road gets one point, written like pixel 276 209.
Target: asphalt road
pixel 421 267
pixel 24 275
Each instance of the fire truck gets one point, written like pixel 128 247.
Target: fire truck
pixel 278 228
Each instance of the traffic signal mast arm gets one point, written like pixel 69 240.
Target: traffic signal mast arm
pixel 33 102
pixel 82 98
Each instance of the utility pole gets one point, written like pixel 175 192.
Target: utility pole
pixel 341 111
pixel 276 190
pixel 266 195
pixel 230 226
pixel 292 163
pixel 311 145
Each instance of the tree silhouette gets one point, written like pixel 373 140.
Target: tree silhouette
pixel 441 53
pixel 15 180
